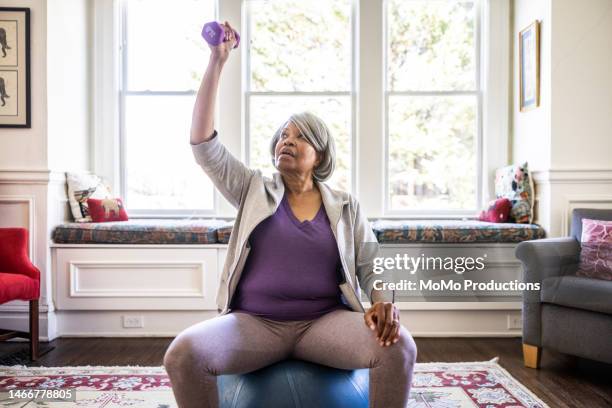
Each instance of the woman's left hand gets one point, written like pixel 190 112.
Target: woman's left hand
pixel 383 318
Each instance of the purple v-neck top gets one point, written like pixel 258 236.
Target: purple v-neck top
pixel 293 269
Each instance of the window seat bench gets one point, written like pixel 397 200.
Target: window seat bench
pixel 168 270
pixel 213 231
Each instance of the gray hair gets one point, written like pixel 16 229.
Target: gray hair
pixel 316 132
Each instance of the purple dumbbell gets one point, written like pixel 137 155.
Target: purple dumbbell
pixel 214 33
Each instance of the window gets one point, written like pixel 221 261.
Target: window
pixel 163 60
pixel 416 93
pixel 432 106
pixel 299 58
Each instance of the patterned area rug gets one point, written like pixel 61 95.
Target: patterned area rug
pixel 435 385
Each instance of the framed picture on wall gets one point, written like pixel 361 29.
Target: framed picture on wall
pixel 529 67
pixel 14 67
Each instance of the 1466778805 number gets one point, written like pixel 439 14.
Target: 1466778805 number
pixel 40 395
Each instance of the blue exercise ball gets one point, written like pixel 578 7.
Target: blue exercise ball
pixel 293 384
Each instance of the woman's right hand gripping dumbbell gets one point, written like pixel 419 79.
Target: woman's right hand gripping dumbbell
pixel 221 52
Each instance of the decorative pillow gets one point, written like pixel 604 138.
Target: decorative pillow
pixel 514 183
pixel 596 251
pixel 497 211
pixel 82 186
pixel 107 209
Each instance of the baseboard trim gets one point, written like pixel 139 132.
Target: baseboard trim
pixel 414 334
pixel 421 323
pixel 120 334
pixel 443 322
pixel 20 321
pixel 492 334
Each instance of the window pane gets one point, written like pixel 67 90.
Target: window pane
pixel 161 170
pixel 165 48
pixel 268 113
pixel 431 45
pixel 300 45
pixel 432 152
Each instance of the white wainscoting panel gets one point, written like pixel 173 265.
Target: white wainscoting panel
pixel 116 278
pixel 137 279
pixel 174 286
pixel 560 191
pixel 573 201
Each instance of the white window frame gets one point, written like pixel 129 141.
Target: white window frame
pixel 368 167
pixel 123 94
pixel 105 87
pixel 248 93
pixel 441 213
pixel 495 76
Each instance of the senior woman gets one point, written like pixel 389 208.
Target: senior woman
pixel 294 242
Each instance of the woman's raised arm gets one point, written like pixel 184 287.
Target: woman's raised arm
pixel 228 174
pixel 202 120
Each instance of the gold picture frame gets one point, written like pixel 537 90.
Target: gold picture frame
pixel 529 67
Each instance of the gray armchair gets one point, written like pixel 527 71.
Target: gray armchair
pixel 570 314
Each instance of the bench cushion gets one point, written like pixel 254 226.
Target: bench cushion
pixel 453 231
pixel 224 232
pixel 203 231
pixel 139 231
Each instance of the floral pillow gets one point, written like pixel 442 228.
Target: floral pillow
pixel 81 187
pixel 596 251
pixel 514 183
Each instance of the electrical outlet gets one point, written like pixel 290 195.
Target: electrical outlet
pixel 133 322
pixel 515 322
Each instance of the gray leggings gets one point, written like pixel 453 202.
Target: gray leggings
pixel 239 343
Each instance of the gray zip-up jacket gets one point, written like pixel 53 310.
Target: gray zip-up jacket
pixel 256 197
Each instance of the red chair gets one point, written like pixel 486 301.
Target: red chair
pixel 19 280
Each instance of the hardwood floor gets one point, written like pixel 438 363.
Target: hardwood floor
pixel 562 381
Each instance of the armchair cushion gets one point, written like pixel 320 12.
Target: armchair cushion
pixel 578 292
pixel 18 287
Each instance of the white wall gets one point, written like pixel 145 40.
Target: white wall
pixel 23 170
pixel 531 137
pixel 68 84
pixel 572 128
pixel 568 139
pixel 581 72
pixel 33 161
